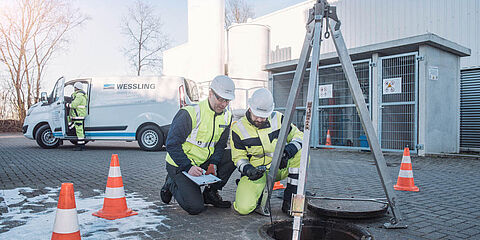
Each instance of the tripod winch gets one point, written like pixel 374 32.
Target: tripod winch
pixel 320 13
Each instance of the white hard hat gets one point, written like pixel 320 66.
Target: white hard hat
pixel 261 103
pixel 224 87
pixel 78 85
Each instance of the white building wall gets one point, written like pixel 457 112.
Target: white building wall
pixel 203 56
pixel 366 22
pixel 287 27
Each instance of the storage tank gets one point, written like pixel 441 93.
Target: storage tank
pixel 206 40
pixel 248 53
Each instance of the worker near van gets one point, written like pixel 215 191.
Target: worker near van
pixel 77 114
pixel 253 140
pixel 197 139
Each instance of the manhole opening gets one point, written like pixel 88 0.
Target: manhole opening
pixel 315 229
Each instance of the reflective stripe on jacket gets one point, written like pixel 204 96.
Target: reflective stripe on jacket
pixel 207 127
pixel 256 145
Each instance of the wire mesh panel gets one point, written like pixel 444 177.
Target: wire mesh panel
pixel 337 112
pixel 398 105
pixel 341 95
pixel 344 126
pixel 281 88
pixel 298 117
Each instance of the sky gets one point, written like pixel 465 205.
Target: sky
pixel 95 48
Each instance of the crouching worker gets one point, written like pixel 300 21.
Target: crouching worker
pixel 197 138
pixel 253 142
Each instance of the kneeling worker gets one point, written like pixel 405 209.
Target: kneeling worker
pixel 253 142
pixel 197 138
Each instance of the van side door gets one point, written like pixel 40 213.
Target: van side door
pixel 57 112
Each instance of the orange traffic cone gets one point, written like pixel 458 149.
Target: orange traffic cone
pixel 211 170
pixel 328 142
pixel 405 176
pixel 66 219
pixel 278 185
pixel 114 203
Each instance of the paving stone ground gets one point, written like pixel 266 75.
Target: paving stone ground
pixel 445 208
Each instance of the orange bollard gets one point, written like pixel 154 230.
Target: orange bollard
pixel 66 219
pixel 114 203
pixel 405 176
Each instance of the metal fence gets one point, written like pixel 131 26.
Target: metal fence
pixel 337 114
pixel 282 83
pixel 398 108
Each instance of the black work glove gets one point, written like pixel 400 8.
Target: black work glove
pixel 284 160
pixel 252 173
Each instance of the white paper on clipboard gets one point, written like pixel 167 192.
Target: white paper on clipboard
pixel 203 179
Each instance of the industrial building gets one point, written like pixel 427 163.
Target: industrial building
pixel 418 63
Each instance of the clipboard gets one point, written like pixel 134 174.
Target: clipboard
pixel 203 179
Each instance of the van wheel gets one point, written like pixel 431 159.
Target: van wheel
pixel 150 138
pixel 45 138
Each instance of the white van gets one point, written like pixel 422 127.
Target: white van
pixel 119 108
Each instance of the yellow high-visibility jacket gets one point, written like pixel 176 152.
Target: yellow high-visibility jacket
pixel 207 128
pixel 256 145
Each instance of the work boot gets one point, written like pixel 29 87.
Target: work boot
pixel 77 148
pixel 165 193
pixel 211 196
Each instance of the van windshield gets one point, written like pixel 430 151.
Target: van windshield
pixel 55 94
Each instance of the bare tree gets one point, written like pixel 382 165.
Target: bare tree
pixel 31 31
pixel 237 11
pixel 146 41
pixel 5 99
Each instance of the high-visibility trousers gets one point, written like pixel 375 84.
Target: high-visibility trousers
pixel 249 192
pixel 79 130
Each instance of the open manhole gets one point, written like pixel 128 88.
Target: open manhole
pixel 315 229
pixel 347 208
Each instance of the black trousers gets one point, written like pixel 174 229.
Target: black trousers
pixel 188 194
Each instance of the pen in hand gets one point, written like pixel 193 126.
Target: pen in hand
pixel 195 170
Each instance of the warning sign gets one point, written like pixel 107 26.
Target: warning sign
pixel 392 85
pixel 433 73
pixel 325 91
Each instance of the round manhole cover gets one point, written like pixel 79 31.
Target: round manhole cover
pixel 315 229
pixel 356 209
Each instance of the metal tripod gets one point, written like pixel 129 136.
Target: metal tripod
pixel 320 12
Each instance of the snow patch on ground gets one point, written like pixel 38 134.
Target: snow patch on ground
pixel 31 215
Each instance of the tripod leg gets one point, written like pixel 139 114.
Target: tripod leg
pixel 289 110
pixel 298 200
pixel 396 221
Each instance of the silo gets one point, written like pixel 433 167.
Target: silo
pixel 206 40
pixel 248 53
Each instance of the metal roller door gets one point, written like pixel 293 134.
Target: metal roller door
pixel 470 110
